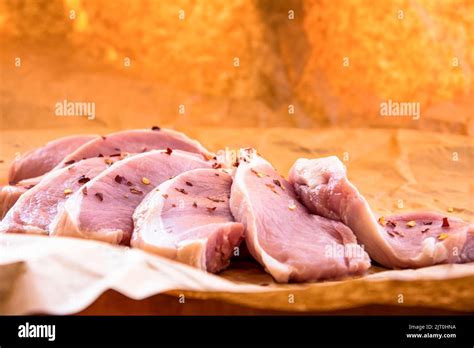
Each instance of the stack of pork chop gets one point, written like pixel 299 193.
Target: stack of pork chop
pixel 163 192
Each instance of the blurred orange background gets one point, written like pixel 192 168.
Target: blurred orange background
pixel 242 63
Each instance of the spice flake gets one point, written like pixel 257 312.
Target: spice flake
pixel 83 179
pixel 382 221
pixel 443 236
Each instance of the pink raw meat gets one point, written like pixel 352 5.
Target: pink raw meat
pixel 282 235
pixel 41 160
pixel 9 194
pixel 103 208
pixel 135 141
pixel 188 219
pixel 36 209
pixel 323 187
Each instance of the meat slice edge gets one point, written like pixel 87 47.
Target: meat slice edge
pixel 41 160
pixel 37 207
pixel 136 141
pixel 188 219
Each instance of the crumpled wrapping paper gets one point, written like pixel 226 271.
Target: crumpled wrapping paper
pixel 395 169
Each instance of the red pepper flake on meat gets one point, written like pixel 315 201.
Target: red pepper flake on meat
pixel 135 191
pixel 83 179
pixel 216 166
pixel 103 137
pixel 428 223
pixel 119 179
pixel 100 155
pixel 84 191
pixel 183 191
pixel 425 230
pixel 215 199
pixel 391 224
pixel 99 196
pixel 260 175
pixel 401 234
pixel 188 183
pixel 168 151
pixel 165 196
pixel 278 183
pixel 391 234
pixel 216 174
pixel 445 222
pixel 155 128
pixel 211 209
pixel 271 187
pixel 195 205
pixel 69 162
pixel 173 205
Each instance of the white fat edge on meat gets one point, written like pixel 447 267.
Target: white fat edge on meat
pixel 278 270
pixel 147 225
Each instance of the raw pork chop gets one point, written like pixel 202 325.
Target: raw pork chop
pixel 283 236
pixel 401 241
pixel 104 207
pixel 41 160
pixel 35 209
pixel 188 219
pixel 136 141
pixel 9 194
